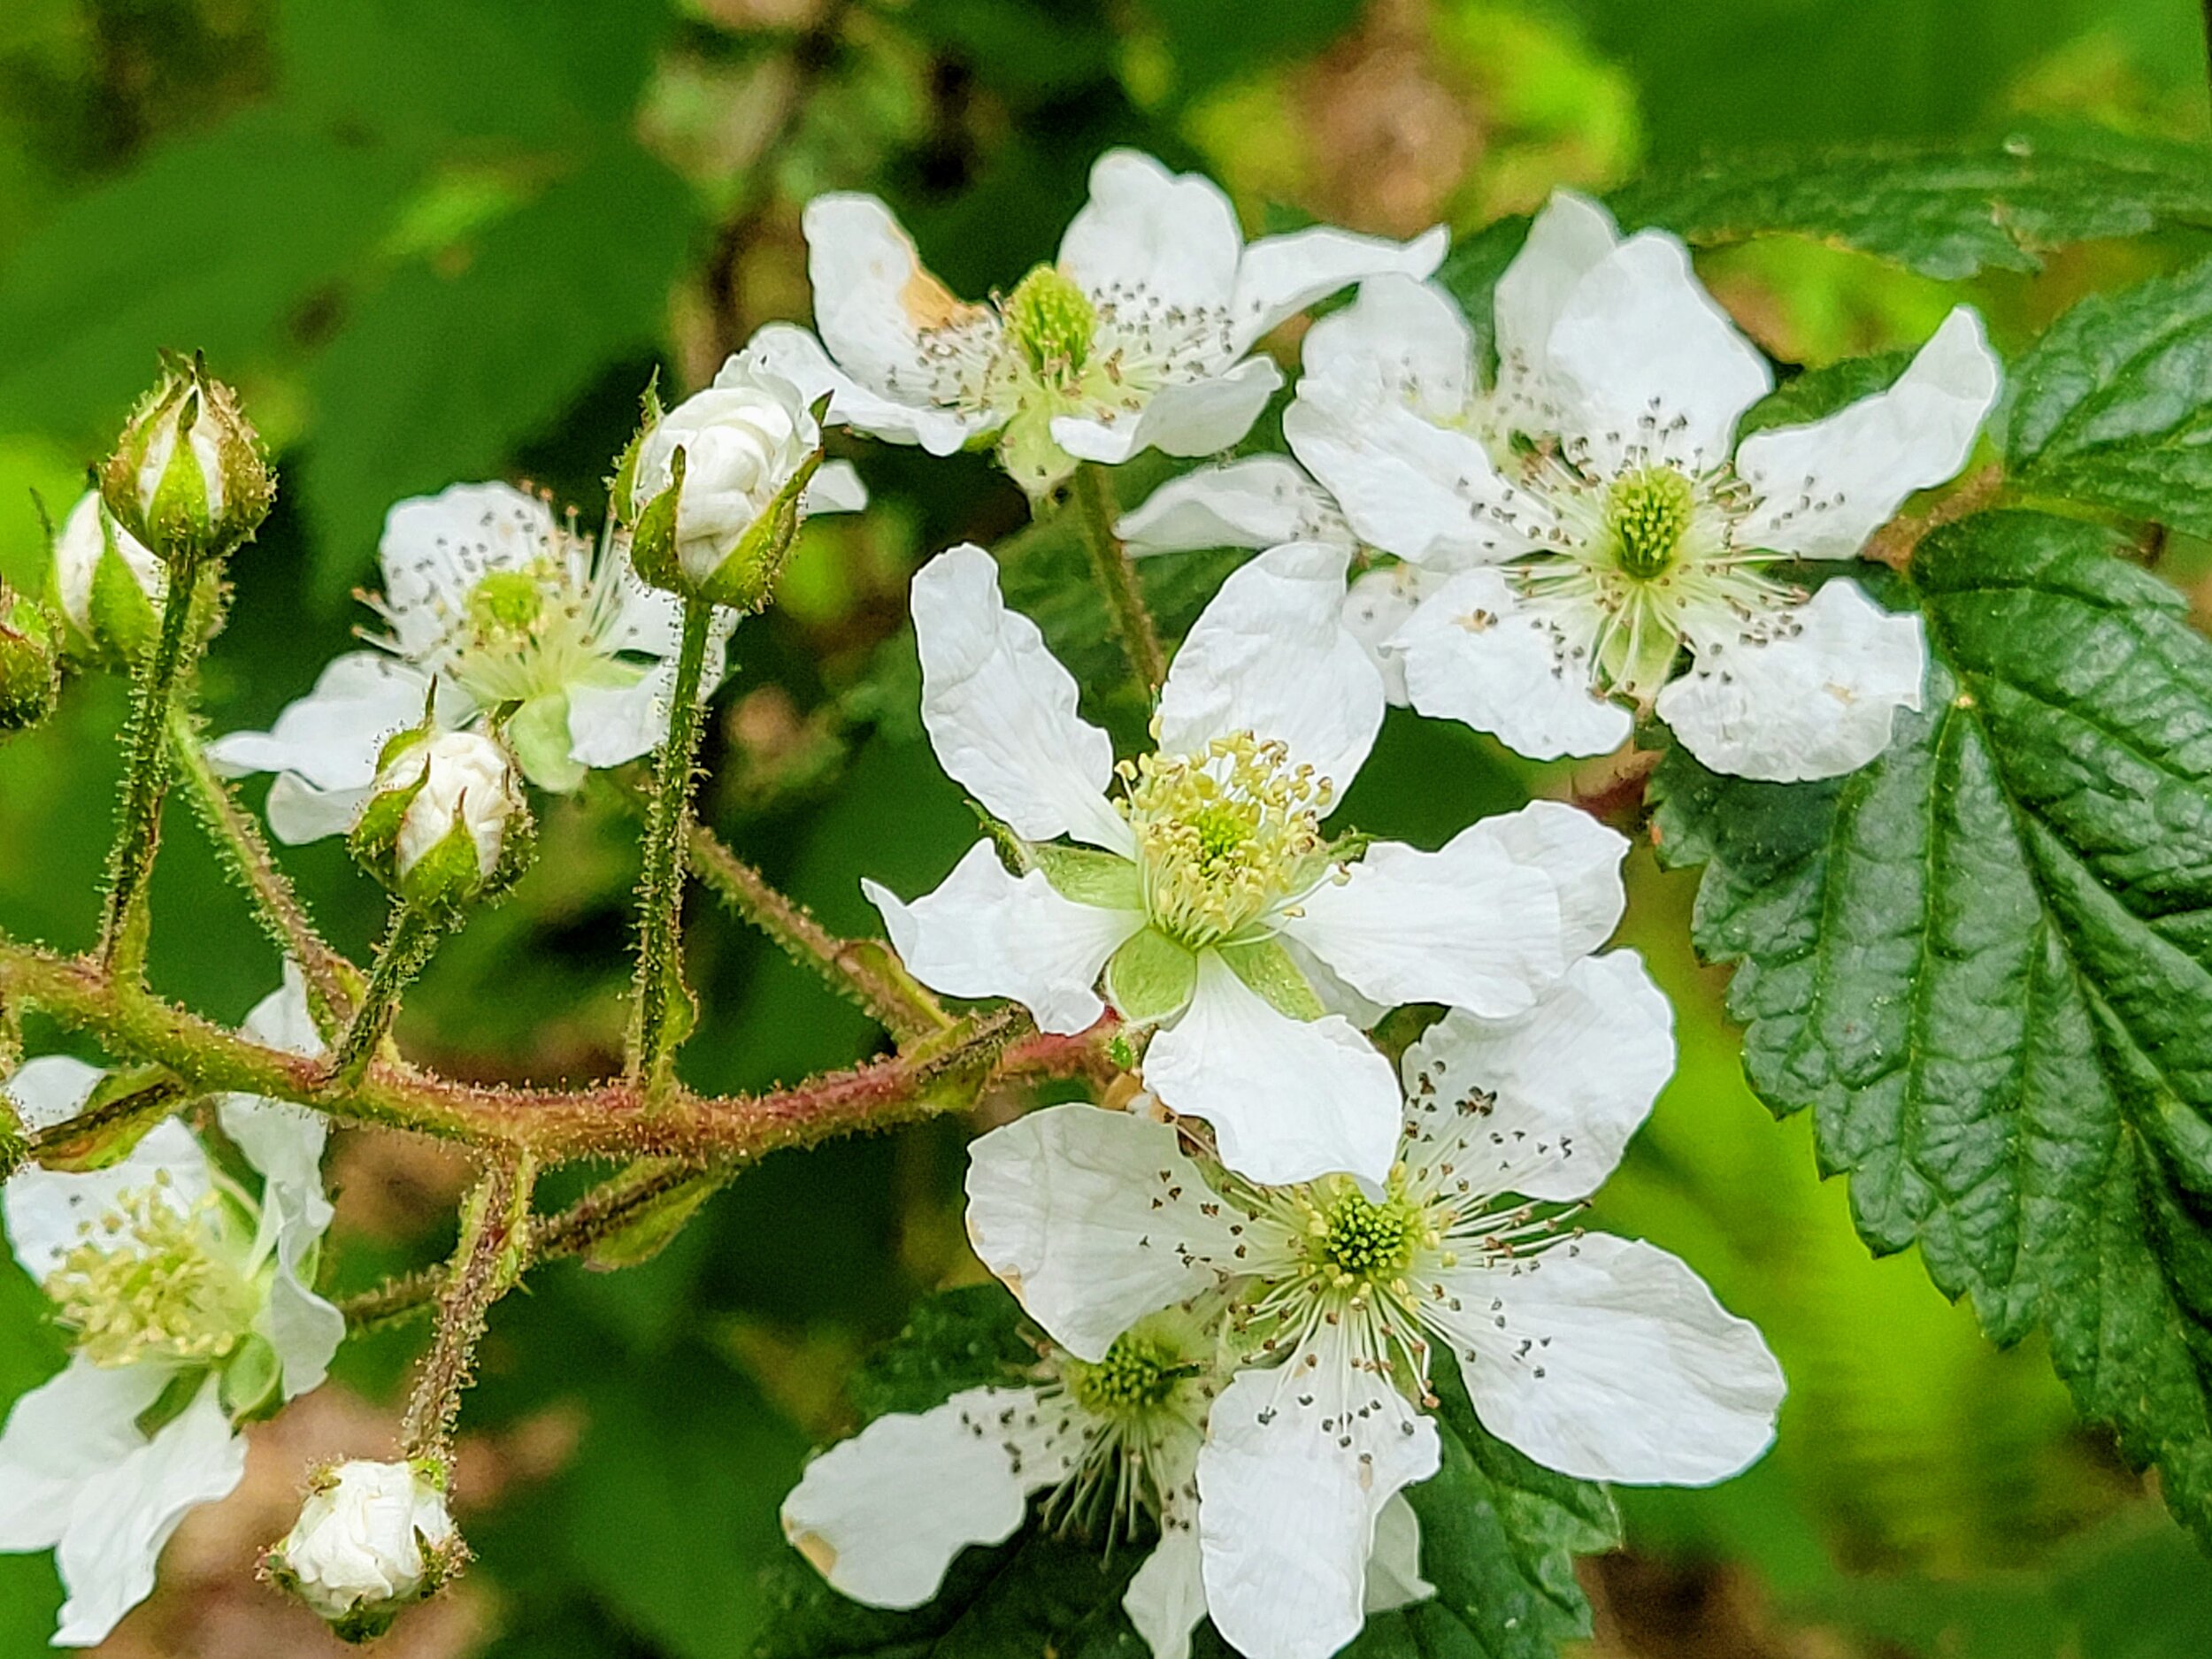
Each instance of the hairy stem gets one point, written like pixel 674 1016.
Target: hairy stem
pixel 660 891
pixel 487 1261
pixel 412 940
pixel 1116 578
pixel 334 984
pixel 123 929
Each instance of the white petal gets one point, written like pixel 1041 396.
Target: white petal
pixel 303 1328
pixel 1282 275
pixel 1260 501
pixel 1167 1596
pixel 1406 337
pixel 1288 1507
pixel 1001 710
pixel 874 305
pixel 1288 1099
pixel 123 1515
pixel 1579 857
pixel 608 725
pixel 285 1143
pixel 1815 701
pixel 1469 925
pixel 1150 236
pixel 436 548
pixel 330 738
pixel 1645 360
pixel 1568 239
pixel 298 812
pixel 50 1089
pixel 1376 606
pixel 1826 487
pixel 1609 1360
pixel 1271 656
pixel 1188 418
pixel 1474 653
pixel 1425 492
pixel 47 1208
pixel 1393 1571
pixel 984 932
pixel 60 1434
pixel 788 350
pixel 882 1515
pixel 1091 1219
pixel 836 487
pixel 1568 1082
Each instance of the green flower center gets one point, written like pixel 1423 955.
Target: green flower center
pixel 1053 321
pixel 1362 1240
pixel 1222 834
pixel 154 1280
pixel 1648 513
pixel 506 602
pixel 1138 1374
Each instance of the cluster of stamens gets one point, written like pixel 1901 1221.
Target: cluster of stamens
pixel 1224 834
pixel 1140 1409
pixel 149 1280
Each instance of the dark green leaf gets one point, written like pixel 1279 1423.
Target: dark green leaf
pixel 2115 402
pixel 959 1339
pixel 1985 963
pixel 1946 213
pixel 1819 392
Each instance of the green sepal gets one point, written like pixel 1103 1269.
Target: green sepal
pixel 174 1400
pixel 1266 967
pixel 1088 875
pixel 653 538
pixel 1150 978
pixel 251 1378
pixel 538 733
pixel 654 1230
pixel 178 516
pixel 376 831
pixel 620 486
pixel 746 579
pixel 124 620
pixel 446 876
pixel 123 1107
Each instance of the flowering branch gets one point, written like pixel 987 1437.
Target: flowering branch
pixel 660 890
pixel 1118 578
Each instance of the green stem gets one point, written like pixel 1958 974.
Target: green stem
pixel 145 780
pixel 334 984
pixel 1118 578
pixel 487 1261
pixel 407 949
pixel 653 1037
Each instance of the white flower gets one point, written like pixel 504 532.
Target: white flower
pixel 370 1539
pixel 111 608
pixel 743 441
pixel 457 779
pixel 1139 337
pixel 883 1515
pixel 1594 514
pixel 187 1303
pixel 1600 1357
pixel 504 607
pixel 1206 892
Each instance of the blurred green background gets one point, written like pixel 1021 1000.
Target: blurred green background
pixel 439 240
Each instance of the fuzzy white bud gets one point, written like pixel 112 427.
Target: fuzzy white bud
pixel 370 1539
pixel 744 440
pixel 466 779
pixel 99 611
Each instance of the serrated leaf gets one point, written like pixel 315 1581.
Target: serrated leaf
pixel 959 1339
pixel 1984 963
pixel 2114 404
pixel 1946 213
pixel 1820 393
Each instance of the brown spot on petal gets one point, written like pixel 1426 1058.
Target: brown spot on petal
pixel 818 1550
pixel 929 303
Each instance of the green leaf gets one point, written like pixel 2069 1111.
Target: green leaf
pixel 1088 875
pixel 1946 213
pixel 1150 977
pixel 1821 392
pixel 440 376
pixel 1984 963
pixel 2114 404
pixel 959 1339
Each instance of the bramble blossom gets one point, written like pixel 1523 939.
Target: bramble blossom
pixel 1138 336
pixel 370 1539
pixel 1593 514
pixel 1598 1356
pixel 189 1307
pixel 1205 892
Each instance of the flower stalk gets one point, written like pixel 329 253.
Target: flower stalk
pixel 1117 577
pixel 654 1030
pixel 487 1264
pixel 409 944
pixel 123 932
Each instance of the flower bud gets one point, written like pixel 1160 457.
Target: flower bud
pixel 105 583
pixel 714 488
pixel 30 662
pixel 446 822
pixel 188 478
pixel 371 1539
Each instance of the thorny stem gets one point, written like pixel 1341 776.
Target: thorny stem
pixel 407 949
pixel 1118 578
pixel 334 984
pixel 613 1119
pixel 487 1261
pixel 660 890
pixel 145 779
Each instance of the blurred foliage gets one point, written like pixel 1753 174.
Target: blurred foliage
pixel 443 239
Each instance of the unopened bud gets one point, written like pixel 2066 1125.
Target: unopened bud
pixel 446 822
pixel 105 583
pixel 714 488
pixel 372 1539
pixel 30 662
pixel 188 479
